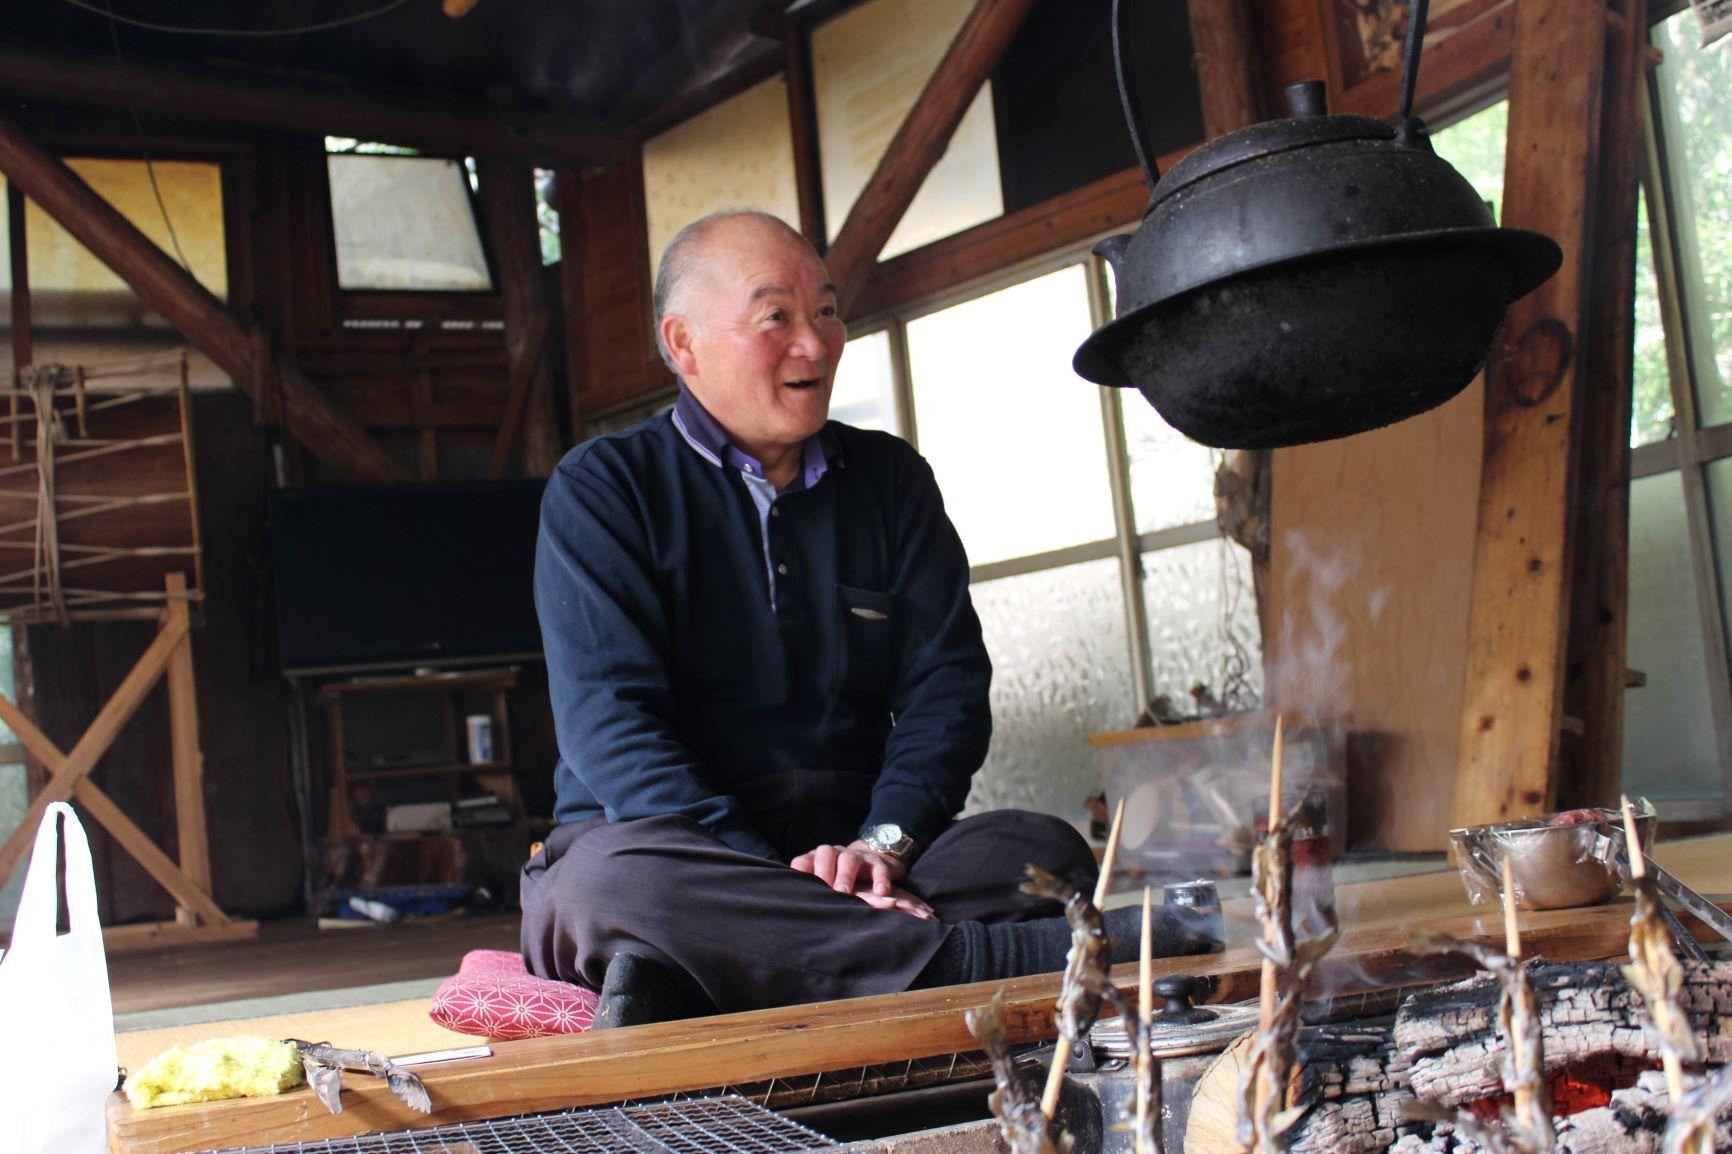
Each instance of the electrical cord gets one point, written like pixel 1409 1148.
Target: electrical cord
pixel 138 129
pixel 185 30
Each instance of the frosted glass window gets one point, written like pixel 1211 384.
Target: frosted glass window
pixel 405 222
pixel 1060 671
pixel 738 154
pixel 192 193
pixel 1172 477
pixel 865 392
pixel 1669 748
pixel 868 67
pixel 1013 434
pixel 1202 617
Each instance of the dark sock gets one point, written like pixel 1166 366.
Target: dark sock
pixel 994 952
pixel 638 991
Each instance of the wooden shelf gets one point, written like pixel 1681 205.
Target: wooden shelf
pixel 429 770
pixel 432 682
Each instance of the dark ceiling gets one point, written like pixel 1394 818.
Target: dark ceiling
pixel 620 60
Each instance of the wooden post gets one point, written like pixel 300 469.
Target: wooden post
pixel 568 200
pixel 508 205
pixel 1512 704
pixel 920 141
pixel 803 126
pixel 209 325
pixel 1594 685
pixel 183 737
pixel 18 238
pixel 1223 33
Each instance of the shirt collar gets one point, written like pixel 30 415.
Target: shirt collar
pixel 710 441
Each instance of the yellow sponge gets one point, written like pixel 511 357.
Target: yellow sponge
pixel 244 1067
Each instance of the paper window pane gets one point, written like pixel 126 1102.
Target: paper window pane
pixel 868 67
pixel 405 223
pixel 738 154
pixel 62 269
pixel 865 392
pixel 1060 671
pixel 1013 434
pixel 1172 477
pixel 1202 618
pixel 1692 83
pixel 1669 746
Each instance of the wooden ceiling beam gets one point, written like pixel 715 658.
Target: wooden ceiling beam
pixel 211 326
pixel 1228 63
pixel 921 140
pixel 319 106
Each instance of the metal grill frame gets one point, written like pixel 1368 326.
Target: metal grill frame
pixel 728 1124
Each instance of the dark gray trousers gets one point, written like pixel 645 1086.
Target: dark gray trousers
pixel 752 933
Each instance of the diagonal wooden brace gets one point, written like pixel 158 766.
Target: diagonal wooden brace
pixel 67 770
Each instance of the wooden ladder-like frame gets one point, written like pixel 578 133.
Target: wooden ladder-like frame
pixel 197 916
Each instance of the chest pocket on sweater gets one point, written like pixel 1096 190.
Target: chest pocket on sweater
pixel 865 642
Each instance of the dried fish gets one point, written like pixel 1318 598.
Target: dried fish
pixel 1528 1128
pixel 1264 1116
pixel 1020 1120
pixel 1145 1136
pixel 1079 1002
pixel 325 1063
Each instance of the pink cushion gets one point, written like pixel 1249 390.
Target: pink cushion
pixel 493 996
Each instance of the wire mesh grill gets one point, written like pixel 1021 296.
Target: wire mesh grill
pixel 727 1125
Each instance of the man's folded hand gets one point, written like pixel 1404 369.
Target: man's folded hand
pixel 868 875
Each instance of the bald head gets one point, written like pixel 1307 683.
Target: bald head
pixel 688 263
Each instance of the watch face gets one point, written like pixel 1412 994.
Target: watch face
pixel 882 837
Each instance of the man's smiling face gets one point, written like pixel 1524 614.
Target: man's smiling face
pixel 760 337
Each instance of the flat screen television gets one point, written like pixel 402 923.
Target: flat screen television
pixel 402 576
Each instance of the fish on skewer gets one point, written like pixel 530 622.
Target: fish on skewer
pixel 324 1065
pixel 1144 1125
pixel 1020 1119
pixel 1079 999
pixel 1655 973
pixel 1528 1129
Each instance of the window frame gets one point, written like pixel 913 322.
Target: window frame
pixel 1691 448
pixel 1127 545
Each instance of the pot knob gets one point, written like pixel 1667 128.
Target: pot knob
pixel 1178 991
pixel 1307 98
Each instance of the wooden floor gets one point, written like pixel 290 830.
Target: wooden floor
pixel 292 957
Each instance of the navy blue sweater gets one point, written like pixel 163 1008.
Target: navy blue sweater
pixel 859 697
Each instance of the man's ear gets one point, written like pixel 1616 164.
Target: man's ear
pixel 677 334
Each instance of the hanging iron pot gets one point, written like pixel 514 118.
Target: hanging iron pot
pixel 1307 278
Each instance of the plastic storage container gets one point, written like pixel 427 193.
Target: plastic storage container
pixel 1196 795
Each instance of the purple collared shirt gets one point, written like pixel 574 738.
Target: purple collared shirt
pixel 710 441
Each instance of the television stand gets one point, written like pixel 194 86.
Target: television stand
pixel 480 838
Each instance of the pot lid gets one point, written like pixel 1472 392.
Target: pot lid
pixel 1306 126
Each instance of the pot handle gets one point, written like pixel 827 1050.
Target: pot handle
pixel 1410 59
pixel 1128 98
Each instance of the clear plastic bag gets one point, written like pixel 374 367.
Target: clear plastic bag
pixel 57 1065
pixel 1556 862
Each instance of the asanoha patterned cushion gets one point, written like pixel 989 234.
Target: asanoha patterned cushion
pixel 493 996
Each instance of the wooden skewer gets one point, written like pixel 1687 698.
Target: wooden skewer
pixel 1061 1052
pixel 1512 934
pixel 1145 1010
pixel 1270 985
pixel 1638 869
pixel 1633 843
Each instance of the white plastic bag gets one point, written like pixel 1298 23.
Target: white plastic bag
pixel 57 1061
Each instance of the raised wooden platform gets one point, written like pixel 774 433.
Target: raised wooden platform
pixel 556 1073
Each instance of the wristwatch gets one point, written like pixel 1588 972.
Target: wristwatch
pixel 889 838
